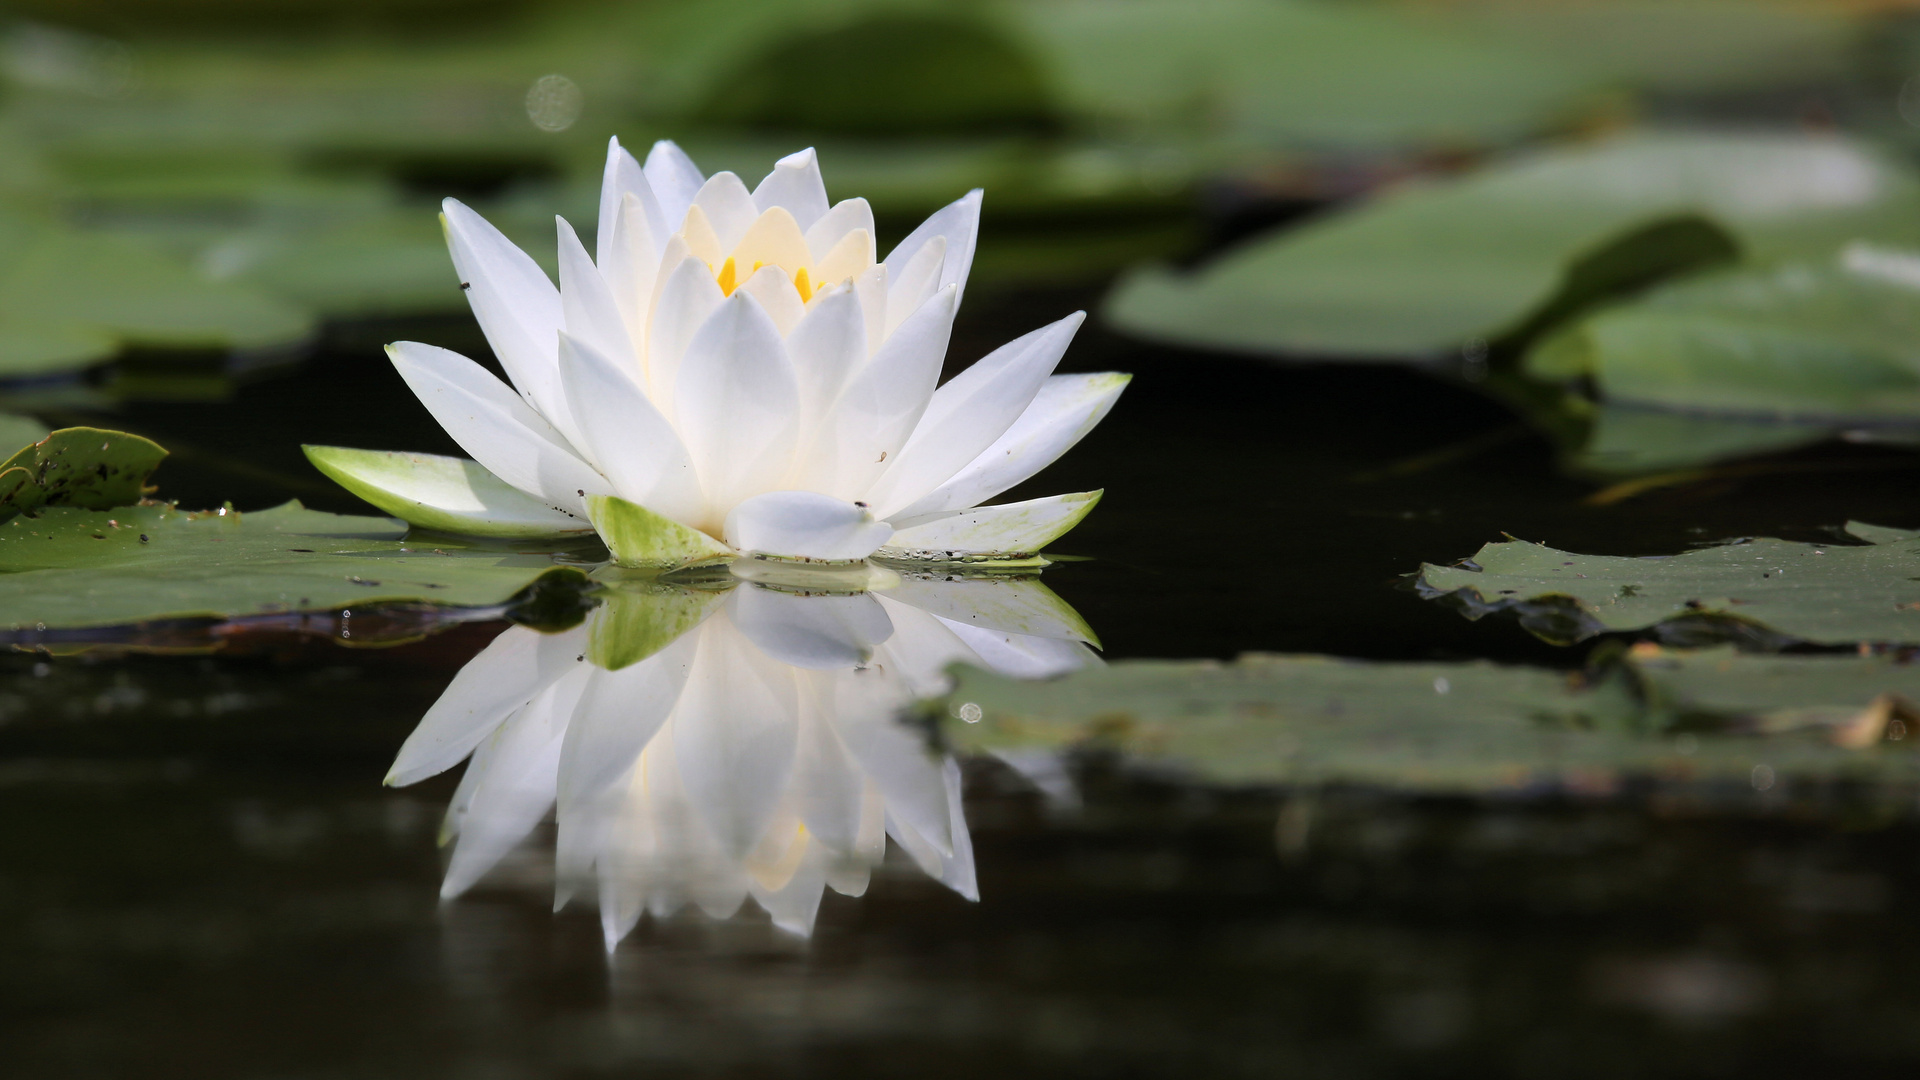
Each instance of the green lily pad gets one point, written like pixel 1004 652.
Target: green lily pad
pixel 1829 341
pixel 638 537
pixel 1433 267
pixel 1623 439
pixel 69 567
pixel 86 467
pixel 1830 594
pixel 446 493
pixel 17 430
pixel 1716 719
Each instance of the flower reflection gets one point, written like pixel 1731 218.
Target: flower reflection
pixel 700 745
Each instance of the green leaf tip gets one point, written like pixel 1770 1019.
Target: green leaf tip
pixel 445 493
pixel 638 537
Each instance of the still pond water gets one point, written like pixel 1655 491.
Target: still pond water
pixel 203 876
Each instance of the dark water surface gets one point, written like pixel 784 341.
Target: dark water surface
pixel 201 875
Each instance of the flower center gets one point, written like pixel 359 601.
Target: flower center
pixel 729 278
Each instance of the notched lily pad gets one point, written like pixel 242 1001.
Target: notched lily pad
pixel 70 567
pixel 1767 591
pixel 85 467
pixel 1716 720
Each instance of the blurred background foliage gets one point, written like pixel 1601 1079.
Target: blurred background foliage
pixel 1519 193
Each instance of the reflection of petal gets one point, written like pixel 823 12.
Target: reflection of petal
pixel 617 716
pixel 516 788
pixel 504 676
pixel 818 632
pixel 894 756
pixel 952 867
pixel 829 790
pixel 1012 605
pixel 734 736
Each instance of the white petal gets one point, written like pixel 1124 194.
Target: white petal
pixel 497 681
pixel 848 259
pixel 516 305
pixel 795 184
pixel 618 714
pixel 688 298
pixel 828 789
pixel 590 312
pixel 805 525
pixel 774 289
pixel 959 222
pixel 1013 530
pixel 702 241
pixel 625 437
pixel 737 402
pixel 774 239
pixel 973 409
pixel 621 179
pixel 1066 408
pixel 674 178
pixel 446 493
pixel 846 217
pixel 821 633
pixel 912 284
pixel 630 268
pixel 895 758
pixel 728 206
pixel 827 347
pixel 490 422
pixel 734 737
pixel 865 428
pixel 872 287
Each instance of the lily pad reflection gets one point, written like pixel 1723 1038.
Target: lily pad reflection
pixel 700 745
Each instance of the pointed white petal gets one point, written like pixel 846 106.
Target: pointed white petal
pixel 618 714
pixel 827 347
pixel 871 286
pixel 972 410
pixel 447 493
pixel 590 313
pixel 702 242
pixel 846 217
pixel 773 239
pixel 805 525
pixel 630 267
pixel 494 684
pixel 625 437
pixel 912 284
pixel 820 633
pixel 795 184
pixel 848 259
pixel 771 286
pixel 734 738
pixel 516 305
pixel 959 222
pixel 865 428
pixel 490 422
pixel 1066 408
pixel 1014 530
pixel 729 208
pixel 737 402
pixel 674 178
pixel 688 298
pixel 623 178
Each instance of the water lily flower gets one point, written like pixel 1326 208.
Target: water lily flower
pixel 703 747
pixel 734 371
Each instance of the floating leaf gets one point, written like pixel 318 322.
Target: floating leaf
pixel 1828 341
pixel 1435 266
pixel 81 466
pixel 1831 594
pixel 68 567
pixel 1711 717
pixel 16 430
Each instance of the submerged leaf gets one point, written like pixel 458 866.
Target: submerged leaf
pixel 1712 717
pixel 68 567
pixel 1831 594
pixel 82 466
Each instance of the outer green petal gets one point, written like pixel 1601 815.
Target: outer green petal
pixel 1015 531
pixel 446 493
pixel 639 537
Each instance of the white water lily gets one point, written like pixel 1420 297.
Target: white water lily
pixel 702 748
pixel 733 371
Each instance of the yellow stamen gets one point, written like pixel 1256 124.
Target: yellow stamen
pixel 728 278
pixel 803 284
